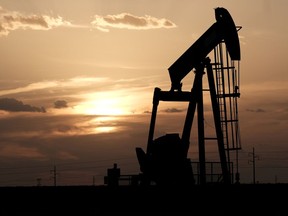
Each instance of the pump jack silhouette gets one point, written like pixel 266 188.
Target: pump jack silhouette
pixel 166 161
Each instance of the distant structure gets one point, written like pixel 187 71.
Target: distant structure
pixel 113 175
pixel 39 180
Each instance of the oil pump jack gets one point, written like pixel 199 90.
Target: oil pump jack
pixel 166 161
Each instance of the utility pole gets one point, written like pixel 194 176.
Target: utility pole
pixel 39 181
pixel 254 164
pixel 54 175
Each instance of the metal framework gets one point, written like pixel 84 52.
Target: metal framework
pixel 227 81
pixel 166 159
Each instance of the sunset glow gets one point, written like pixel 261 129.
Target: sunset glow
pixel 101 124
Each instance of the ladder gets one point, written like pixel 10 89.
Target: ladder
pixel 227 91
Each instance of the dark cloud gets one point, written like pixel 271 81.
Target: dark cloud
pixel 173 110
pixel 13 105
pixel 256 110
pixel 60 104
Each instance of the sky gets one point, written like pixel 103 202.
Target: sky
pixel 77 81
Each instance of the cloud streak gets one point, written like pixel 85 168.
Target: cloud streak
pixel 16 151
pixel 13 20
pixel 73 82
pixel 129 21
pixel 259 110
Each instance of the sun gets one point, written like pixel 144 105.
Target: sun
pixel 110 106
pixel 103 104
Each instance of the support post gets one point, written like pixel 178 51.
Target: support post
pixel 153 119
pixel 191 111
pixel 200 115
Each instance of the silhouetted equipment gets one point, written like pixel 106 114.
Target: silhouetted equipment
pixel 166 161
pixel 113 175
pixel 115 178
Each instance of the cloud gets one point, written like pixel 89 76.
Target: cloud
pixel 256 110
pixel 13 20
pixel 60 104
pixel 79 91
pixel 64 155
pixel 173 110
pixel 13 105
pixel 129 21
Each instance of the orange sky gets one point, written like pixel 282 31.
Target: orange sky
pixel 74 64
